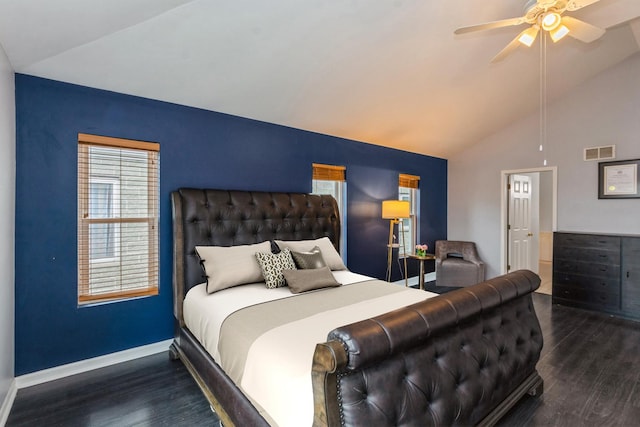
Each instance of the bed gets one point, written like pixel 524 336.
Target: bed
pixel 334 347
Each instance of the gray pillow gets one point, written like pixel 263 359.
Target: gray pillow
pixel 309 260
pixel 329 253
pixel 307 280
pixel 272 266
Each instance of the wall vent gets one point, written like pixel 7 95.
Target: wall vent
pixel 600 153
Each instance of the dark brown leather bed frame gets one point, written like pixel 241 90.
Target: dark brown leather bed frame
pixel 463 358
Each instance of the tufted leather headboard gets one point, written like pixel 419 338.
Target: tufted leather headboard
pixel 229 218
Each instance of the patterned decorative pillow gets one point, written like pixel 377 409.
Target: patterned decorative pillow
pixel 272 266
pixel 309 260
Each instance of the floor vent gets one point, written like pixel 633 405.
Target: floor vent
pixel 600 153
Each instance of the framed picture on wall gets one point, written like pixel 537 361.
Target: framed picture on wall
pixel 618 180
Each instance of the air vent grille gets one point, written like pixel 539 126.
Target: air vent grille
pixel 600 153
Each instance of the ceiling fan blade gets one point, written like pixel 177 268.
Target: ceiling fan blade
pixel 513 45
pixel 491 25
pixel 579 4
pixel 582 31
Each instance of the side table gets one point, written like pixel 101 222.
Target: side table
pixel 421 259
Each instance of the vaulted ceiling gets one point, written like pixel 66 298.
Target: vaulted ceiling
pixel 387 72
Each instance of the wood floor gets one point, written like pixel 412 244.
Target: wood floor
pixel 151 391
pixel 590 364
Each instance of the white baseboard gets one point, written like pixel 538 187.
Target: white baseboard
pixel 8 403
pixel 58 372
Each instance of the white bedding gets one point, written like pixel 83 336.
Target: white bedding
pixel 283 390
pixel 204 313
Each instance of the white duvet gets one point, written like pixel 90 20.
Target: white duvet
pixel 283 390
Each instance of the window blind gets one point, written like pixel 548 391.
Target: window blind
pixel 328 172
pixel 408 181
pixel 118 214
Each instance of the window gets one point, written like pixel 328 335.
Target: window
pixel 408 190
pixel 104 202
pixel 329 179
pixel 118 214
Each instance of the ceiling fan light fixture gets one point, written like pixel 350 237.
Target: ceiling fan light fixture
pixel 558 33
pixel 551 21
pixel 528 36
pixel 542 16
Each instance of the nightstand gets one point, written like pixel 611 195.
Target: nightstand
pixel 421 259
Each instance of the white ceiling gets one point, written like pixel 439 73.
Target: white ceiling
pixel 387 72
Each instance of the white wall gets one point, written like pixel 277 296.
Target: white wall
pixel 602 111
pixel 7 227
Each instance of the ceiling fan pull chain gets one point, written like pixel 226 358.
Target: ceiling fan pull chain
pixel 543 99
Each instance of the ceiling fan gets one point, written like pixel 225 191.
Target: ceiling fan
pixel 548 16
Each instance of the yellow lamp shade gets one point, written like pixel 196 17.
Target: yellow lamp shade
pixel 393 209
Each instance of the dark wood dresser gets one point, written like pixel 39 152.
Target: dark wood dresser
pixel 597 272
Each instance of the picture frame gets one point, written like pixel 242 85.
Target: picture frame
pixel 619 179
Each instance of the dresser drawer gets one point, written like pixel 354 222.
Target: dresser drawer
pixel 584 241
pixel 587 255
pixel 587 283
pixel 592 269
pixel 591 298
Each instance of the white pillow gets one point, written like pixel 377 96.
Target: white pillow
pixel 231 266
pixel 329 253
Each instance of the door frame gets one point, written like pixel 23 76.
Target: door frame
pixel 504 206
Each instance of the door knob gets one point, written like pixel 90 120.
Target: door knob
pixel 529 234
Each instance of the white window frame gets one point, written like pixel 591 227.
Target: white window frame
pixel 339 192
pixel 412 228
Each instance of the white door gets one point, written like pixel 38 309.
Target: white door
pixel 521 237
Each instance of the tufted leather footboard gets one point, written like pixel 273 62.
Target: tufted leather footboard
pixel 462 358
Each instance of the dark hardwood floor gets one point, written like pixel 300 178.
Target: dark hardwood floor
pixel 150 391
pixel 590 364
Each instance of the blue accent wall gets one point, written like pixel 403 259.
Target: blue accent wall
pixel 199 149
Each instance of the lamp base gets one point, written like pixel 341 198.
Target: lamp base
pixel 390 247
